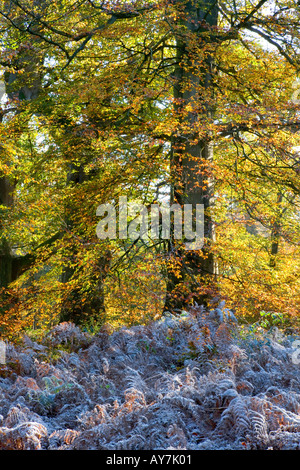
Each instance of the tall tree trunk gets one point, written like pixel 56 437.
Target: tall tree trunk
pixel 192 149
pixel 6 257
pixel 94 306
pixel 275 234
pixel 28 61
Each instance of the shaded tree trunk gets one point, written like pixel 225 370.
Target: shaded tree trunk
pixel 6 257
pixel 93 308
pixel 19 86
pixel 192 150
pixel 275 235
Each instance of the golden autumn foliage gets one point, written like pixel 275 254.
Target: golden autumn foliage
pixel 177 101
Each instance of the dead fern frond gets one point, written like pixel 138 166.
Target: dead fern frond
pixel 135 442
pixel 235 418
pixel 177 437
pixel 259 429
pixel 25 436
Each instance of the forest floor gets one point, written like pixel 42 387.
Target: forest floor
pixel 191 382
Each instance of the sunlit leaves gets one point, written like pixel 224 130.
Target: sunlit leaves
pixel 104 122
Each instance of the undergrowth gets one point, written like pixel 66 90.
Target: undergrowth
pixel 194 381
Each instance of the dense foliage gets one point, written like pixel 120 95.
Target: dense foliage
pixel 172 100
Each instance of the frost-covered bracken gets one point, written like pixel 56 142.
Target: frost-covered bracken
pixel 197 381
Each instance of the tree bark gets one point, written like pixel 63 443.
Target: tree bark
pixel 192 150
pixel 93 308
pixel 275 235
pixel 19 87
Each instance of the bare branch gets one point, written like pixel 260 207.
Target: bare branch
pixel 268 38
pixel 233 129
pixel 251 14
pixel 42 22
pixel 129 12
pixel 35 33
pixel 88 38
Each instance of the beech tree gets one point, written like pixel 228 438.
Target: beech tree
pixel 129 96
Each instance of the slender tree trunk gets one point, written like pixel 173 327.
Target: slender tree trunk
pixel 6 257
pixel 192 150
pixel 27 60
pixel 94 306
pixel 275 235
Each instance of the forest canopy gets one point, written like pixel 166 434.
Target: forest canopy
pixel 173 101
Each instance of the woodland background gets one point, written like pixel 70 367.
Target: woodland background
pixel 172 100
pixel 141 344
